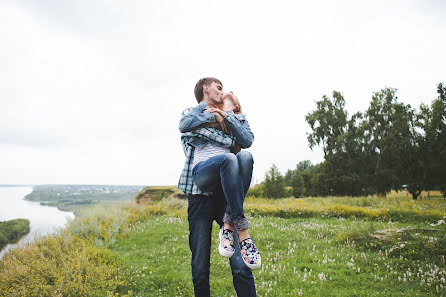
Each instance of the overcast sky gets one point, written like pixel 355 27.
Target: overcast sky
pixel 91 91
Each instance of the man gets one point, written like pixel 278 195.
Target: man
pixel 196 126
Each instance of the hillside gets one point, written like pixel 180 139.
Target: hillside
pixel 332 246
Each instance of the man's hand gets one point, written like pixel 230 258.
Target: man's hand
pixel 220 119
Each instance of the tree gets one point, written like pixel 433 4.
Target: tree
pixel 342 141
pixel 304 165
pixel 274 184
pixel 388 141
pixel 288 175
pixel 438 129
pixel 297 184
pixel 328 123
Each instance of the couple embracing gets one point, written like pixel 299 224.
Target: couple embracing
pixel 216 178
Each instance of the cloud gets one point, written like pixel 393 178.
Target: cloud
pixel 91 91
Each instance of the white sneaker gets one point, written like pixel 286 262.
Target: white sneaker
pixel 226 247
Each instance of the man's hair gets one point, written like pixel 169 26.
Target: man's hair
pixel 198 91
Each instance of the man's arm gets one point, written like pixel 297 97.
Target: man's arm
pixel 239 127
pixel 212 135
pixel 194 117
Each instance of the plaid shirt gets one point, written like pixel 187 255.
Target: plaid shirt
pixel 186 183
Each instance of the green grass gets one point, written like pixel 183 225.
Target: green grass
pixel 301 256
pixel 11 231
pixel 335 246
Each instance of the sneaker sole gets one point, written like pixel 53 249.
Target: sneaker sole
pixel 222 250
pixel 253 266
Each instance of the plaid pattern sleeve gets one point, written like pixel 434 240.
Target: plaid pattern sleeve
pixel 186 183
pixel 213 135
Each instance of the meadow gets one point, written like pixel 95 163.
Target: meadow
pixel 334 246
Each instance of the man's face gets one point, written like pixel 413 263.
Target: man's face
pixel 214 93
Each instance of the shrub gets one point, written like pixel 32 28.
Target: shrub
pixel 12 230
pixel 55 266
pixel 255 191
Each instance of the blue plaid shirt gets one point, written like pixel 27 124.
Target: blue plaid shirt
pixel 192 134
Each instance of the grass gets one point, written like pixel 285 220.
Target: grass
pixel 334 246
pixel 11 231
pixel 301 257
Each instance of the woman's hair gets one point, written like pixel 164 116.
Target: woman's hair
pixel 198 91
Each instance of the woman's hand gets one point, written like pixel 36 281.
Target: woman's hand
pixel 220 118
pixel 215 111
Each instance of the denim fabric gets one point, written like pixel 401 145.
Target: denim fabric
pixel 192 118
pixel 233 174
pixel 202 211
pixel 193 136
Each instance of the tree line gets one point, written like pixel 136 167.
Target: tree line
pixel 390 146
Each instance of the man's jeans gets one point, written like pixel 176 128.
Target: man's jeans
pixel 201 212
pixel 233 174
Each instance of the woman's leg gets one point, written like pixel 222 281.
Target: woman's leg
pixel 224 169
pixel 246 163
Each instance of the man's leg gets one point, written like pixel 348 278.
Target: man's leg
pixel 199 214
pixel 241 275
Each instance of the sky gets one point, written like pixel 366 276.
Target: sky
pixel 91 91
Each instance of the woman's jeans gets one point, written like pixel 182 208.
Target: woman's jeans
pixel 232 173
pixel 202 211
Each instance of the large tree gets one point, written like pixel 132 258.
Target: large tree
pixel 438 130
pixel 342 140
pixel 388 137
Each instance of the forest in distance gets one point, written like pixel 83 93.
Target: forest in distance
pixel 390 146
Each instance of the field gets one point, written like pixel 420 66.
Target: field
pixel 364 246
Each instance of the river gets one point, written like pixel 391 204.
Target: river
pixel 43 219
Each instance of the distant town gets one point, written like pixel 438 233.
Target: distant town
pixel 71 197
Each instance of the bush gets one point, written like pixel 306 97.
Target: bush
pixel 255 191
pixel 11 231
pixel 57 266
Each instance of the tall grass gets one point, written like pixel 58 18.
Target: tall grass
pixel 55 266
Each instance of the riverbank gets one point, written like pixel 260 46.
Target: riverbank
pixel 12 231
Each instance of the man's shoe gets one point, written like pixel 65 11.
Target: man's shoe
pixel 250 254
pixel 226 247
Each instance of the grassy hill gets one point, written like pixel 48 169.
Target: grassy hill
pixel 334 246
pixel 153 194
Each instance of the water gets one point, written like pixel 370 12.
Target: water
pixel 43 219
